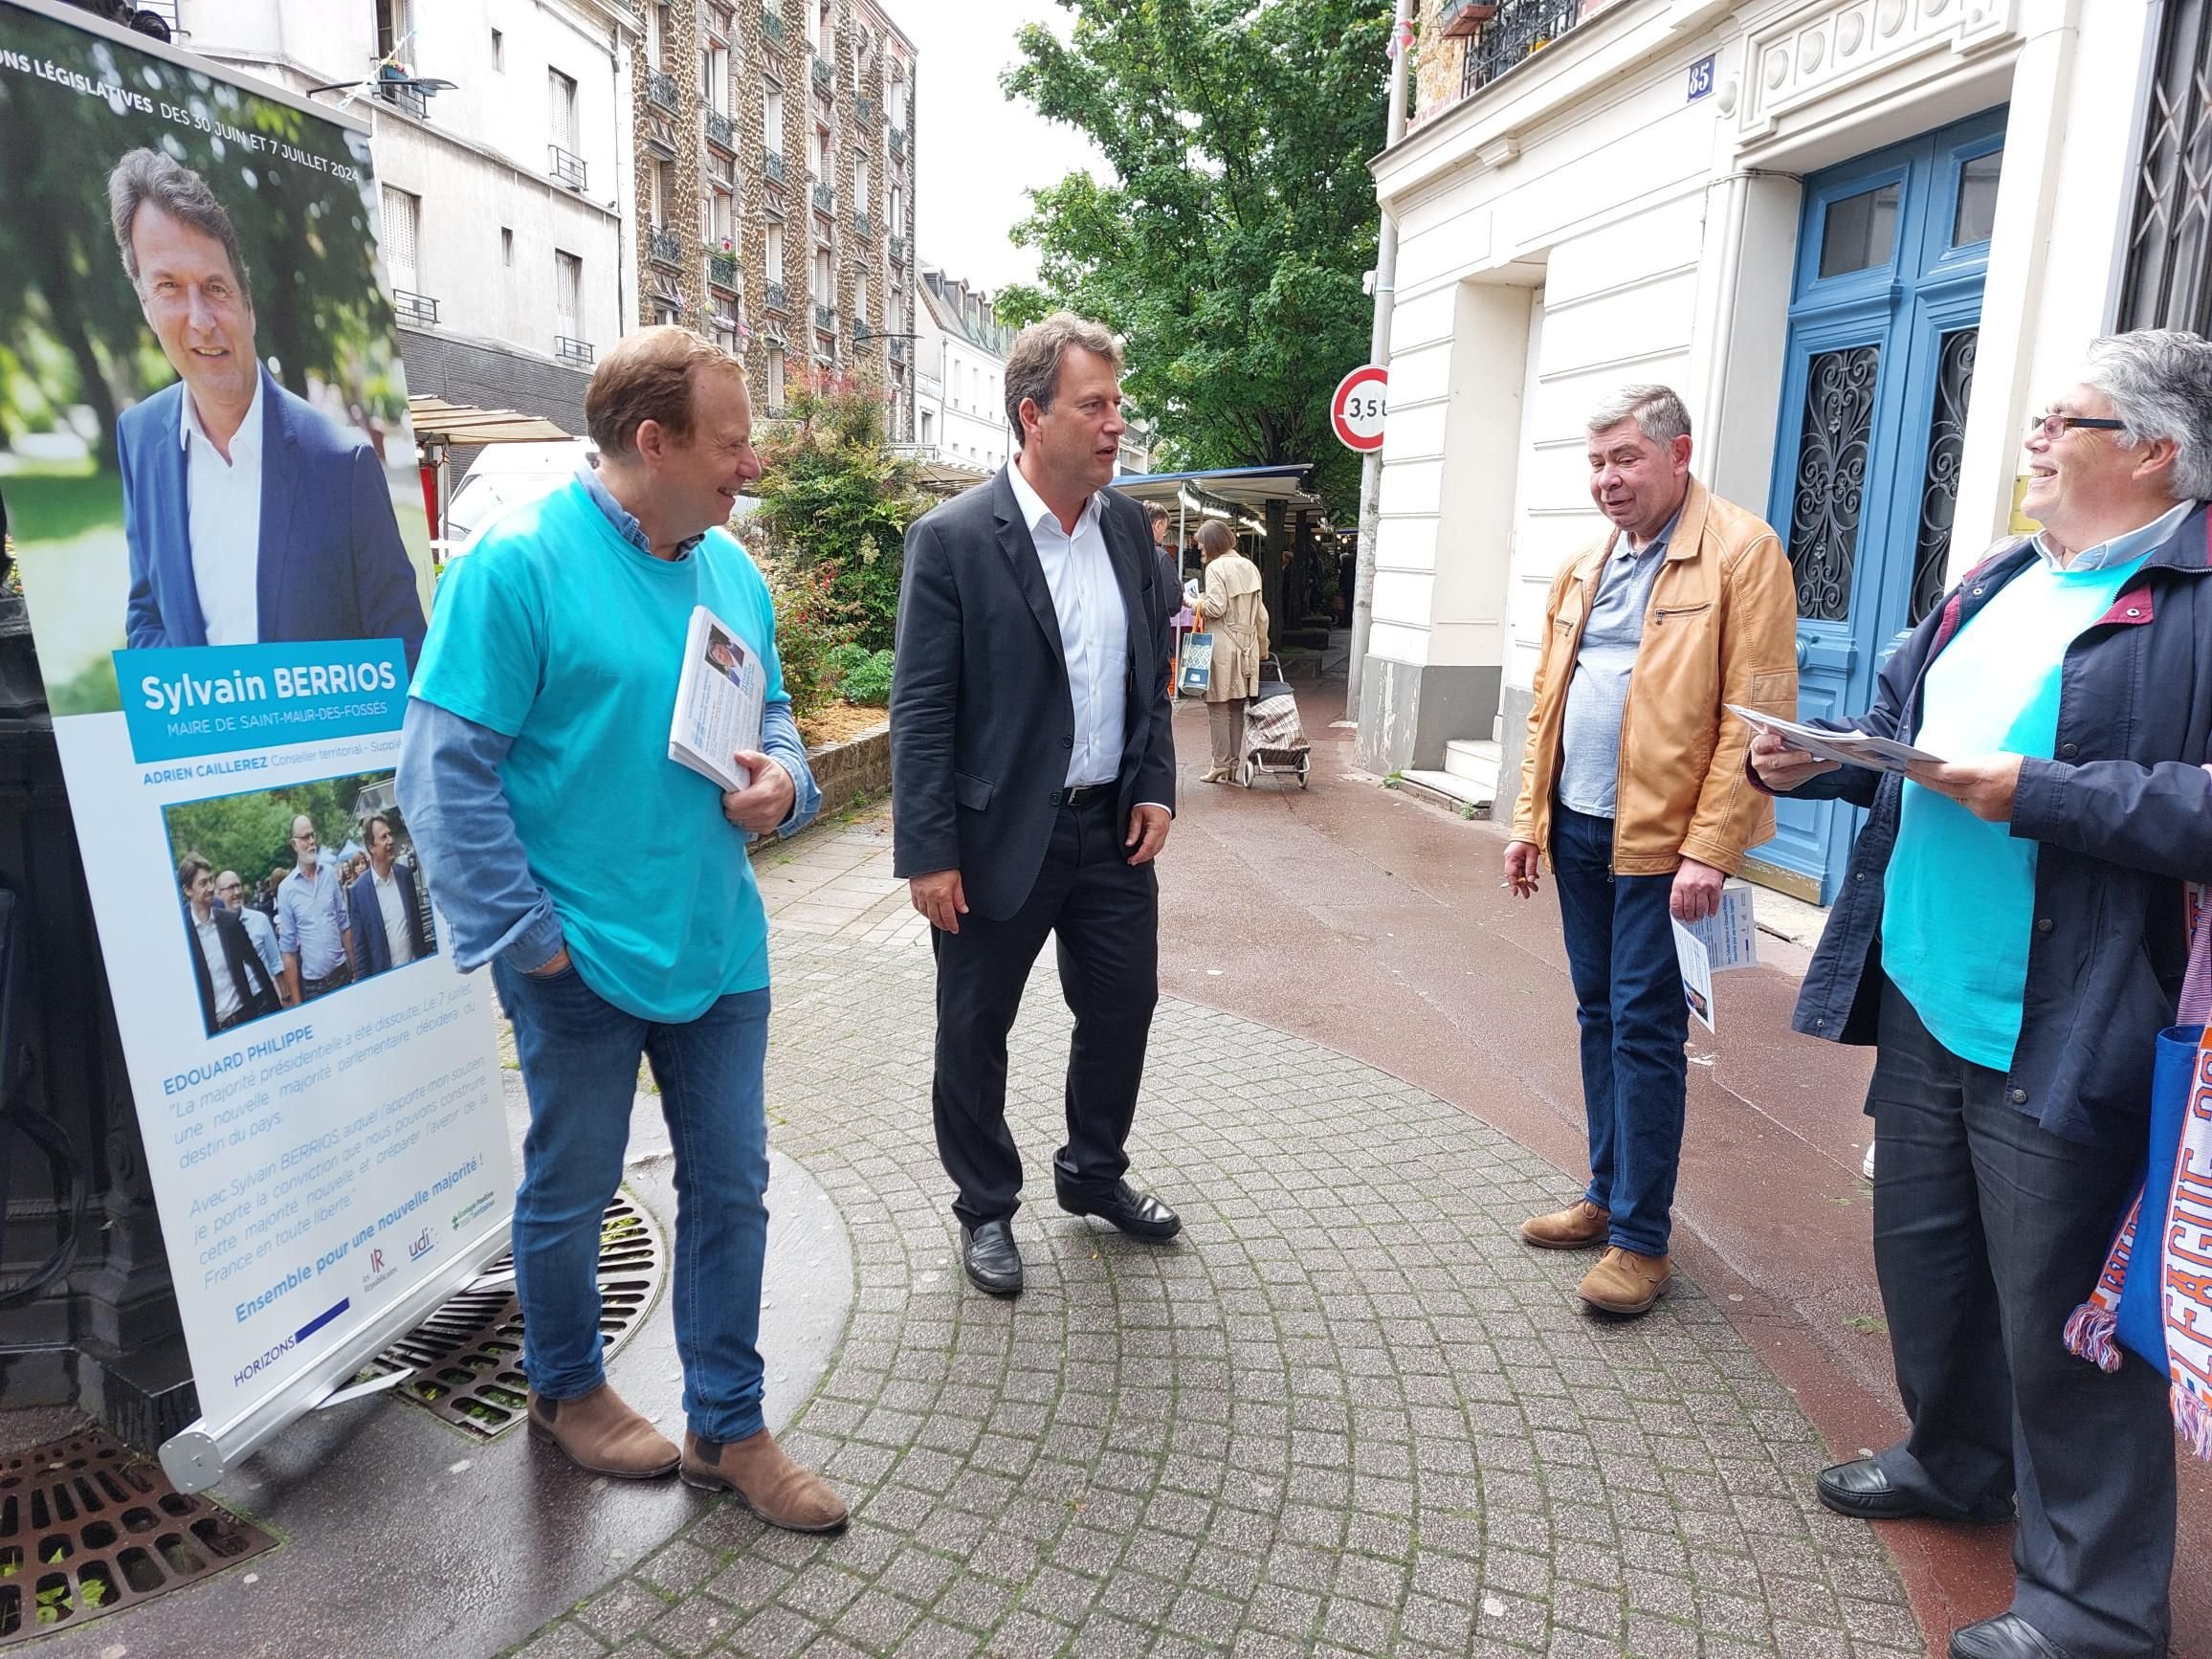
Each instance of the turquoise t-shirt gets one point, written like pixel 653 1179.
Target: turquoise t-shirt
pixel 1958 908
pixel 558 633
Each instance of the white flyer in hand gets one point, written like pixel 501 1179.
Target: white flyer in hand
pixel 1697 974
pixel 719 702
pixel 1729 935
pixel 1852 749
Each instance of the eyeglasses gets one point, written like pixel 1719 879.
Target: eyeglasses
pixel 2049 426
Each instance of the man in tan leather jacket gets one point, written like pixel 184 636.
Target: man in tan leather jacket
pixel 1634 783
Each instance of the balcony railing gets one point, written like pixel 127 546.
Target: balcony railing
pixel 779 298
pixel 1519 30
pixel 863 226
pixel 723 271
pixel 401 96
pixel 665 245
pixel 722 130
pixel 898 249
pixel 898 351
pixel 772 165
pixel 825 317
pixel 899 141
pixel 772 24
pixel 660 89
pixel 824 74
pixel 825 197
pixel 863 108
pixel 413 307
pixel 565 167
pixel 569 349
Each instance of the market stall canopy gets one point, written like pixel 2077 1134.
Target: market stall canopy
pixel 436 420
pixel 1229 487
pixel 936 474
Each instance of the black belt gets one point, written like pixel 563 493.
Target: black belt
pixel 1075 794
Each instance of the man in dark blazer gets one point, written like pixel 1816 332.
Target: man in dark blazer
pixel 234 983
pixel 387 923
pixel 1034 781
pixel 250 517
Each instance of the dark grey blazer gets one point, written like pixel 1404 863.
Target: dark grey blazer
pixel 981 719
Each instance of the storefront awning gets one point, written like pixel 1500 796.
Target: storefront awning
pixel 1228 486
pixel 436 420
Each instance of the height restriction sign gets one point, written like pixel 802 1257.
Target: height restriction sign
pixel 1357 411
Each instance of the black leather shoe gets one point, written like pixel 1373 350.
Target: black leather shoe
pixel 994 1265
pixel 1138 1214
pixel 1861 1490
pixel 2007 1636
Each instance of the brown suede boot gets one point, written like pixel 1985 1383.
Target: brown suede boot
pixel 1575 1227
pixel 1624 1282
pixel 760 1474
pixel 602 1434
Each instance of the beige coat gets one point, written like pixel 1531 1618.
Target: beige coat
pixel 1230 611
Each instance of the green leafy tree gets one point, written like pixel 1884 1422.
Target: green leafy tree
pixel 834 496
pixel 1232 246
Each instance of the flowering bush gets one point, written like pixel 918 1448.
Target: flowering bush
pixel 811 623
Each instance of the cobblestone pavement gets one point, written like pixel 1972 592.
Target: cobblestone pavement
pixel 1346 1414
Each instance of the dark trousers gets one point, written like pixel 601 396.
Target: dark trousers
pixel 1105 915
pixel 1989 1232
pixel 1620 935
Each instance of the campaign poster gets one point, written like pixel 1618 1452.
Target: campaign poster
pixel 210 481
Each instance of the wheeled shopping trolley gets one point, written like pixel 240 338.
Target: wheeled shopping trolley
pixel 1275 739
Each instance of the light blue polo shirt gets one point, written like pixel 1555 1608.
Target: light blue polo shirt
pixel 558 633
pixel 1958 906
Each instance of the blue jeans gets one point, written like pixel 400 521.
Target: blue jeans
pixel 580 1055
pixel 1620 938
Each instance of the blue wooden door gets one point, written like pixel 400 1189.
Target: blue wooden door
pixel 1891 253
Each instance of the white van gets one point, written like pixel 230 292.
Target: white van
pixel 505 475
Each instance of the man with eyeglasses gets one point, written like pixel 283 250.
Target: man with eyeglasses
pixel 260 931
pixel 312 923
pixel 2012 939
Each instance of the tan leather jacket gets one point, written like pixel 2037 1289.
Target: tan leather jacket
pixel 1721 628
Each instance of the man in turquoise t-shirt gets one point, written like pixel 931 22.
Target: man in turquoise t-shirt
pixel 609 888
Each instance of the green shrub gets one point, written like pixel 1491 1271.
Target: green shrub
pixel 811 622
pixel 862 675
pixel 833 495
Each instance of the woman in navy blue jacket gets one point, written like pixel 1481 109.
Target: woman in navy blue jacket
pixel 2011 937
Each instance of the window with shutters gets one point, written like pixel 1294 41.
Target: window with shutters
pixel 562 93
pixel 402 224
pixel 567 293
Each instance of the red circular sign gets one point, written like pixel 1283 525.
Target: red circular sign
pixel 1357 411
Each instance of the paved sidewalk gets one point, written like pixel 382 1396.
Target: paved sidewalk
pixel 1346 1414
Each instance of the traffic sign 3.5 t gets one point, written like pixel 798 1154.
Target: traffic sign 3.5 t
pixel 1357 411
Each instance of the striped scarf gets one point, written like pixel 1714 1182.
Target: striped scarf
pixel 2185 1210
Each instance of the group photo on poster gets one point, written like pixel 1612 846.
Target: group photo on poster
pixel 204 413
pixel 345 900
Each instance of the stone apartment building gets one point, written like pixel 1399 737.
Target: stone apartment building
pixel 774 146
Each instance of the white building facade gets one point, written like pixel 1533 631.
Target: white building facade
pixel 961 412
pixel 1848 231
pixel 504 197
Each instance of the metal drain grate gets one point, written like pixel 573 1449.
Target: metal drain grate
pixel 468 1356
pixel 87 1525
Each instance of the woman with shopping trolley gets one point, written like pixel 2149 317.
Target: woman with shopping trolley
pixel 1230 610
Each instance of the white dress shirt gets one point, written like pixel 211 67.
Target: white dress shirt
pixel 224 522
pixel 219 980
pixel 392 902
pixel 1094 629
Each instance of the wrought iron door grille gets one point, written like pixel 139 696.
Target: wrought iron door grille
pixel 2168 284
pixel 1831 479
pixel 1939 485
pixel 1521 30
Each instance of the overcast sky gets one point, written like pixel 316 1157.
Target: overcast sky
pixel 978 151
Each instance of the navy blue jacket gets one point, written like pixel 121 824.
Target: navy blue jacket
pixel 371 946
pixel 331 562
pixel 2123 815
